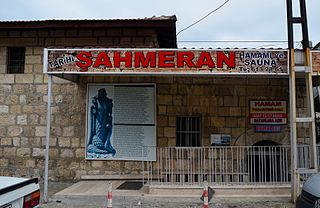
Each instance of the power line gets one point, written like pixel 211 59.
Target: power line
pixel 203 17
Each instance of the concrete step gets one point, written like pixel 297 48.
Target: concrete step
pixel 99 188
pixel 222 191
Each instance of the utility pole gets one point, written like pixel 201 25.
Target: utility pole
pixel 310 117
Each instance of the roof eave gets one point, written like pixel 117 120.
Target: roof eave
pixel 110 23
pixel 165 26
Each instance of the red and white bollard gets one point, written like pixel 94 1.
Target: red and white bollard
pixel 205 195
pixel 109 196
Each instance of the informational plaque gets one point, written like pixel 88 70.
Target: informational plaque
pixel 268 112
pixel 121 122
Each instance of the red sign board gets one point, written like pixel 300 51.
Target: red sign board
pixel 166 61
pixel 268 112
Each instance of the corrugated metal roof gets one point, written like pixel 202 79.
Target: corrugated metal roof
pixel 148 22
pixel 317 46
pixel 153 18
pixel 228 48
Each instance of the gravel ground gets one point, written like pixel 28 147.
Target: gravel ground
pixel 156 202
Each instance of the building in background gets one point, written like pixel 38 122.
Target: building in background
pixel 105 124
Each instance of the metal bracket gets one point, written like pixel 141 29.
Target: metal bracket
pixel 305 120
pixel 302 69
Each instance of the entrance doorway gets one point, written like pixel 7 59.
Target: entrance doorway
pixel 265 163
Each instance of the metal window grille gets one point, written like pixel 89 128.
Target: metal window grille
pixel 16 59
pixel 188 131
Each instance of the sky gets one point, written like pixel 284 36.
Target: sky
pixel 239 23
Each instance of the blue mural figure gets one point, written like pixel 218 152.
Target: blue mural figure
pixel 101 124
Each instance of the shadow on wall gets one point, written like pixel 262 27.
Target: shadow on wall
pixel 250 137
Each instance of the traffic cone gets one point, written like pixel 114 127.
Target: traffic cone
pixel 109 196
pixel 205 196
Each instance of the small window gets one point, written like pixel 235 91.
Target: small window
pixel 188 131
pixel 16 57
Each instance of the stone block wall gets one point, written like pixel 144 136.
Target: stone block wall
pixel 23 105
pixel 222 103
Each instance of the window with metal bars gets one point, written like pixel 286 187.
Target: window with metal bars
pixel 15 61
pixel 188 131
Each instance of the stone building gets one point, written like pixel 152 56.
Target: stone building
pixel 220 103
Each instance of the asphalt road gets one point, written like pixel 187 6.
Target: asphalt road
pixel 156 202
pixel 121 202
pixel 139 202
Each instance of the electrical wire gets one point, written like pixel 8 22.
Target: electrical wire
pixel 216 9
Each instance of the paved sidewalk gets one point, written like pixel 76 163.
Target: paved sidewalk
pixel 85 195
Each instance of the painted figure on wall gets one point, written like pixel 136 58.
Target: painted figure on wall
pixel 101 124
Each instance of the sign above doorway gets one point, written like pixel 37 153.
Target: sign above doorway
pixel 166 61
